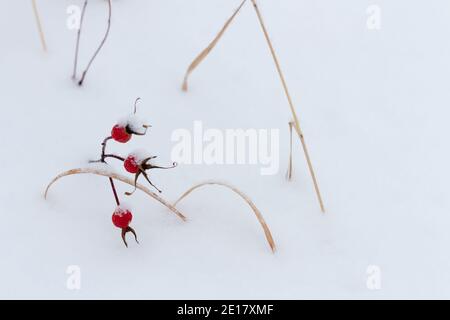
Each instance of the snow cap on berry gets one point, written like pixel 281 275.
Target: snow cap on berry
pixel 122 209
pixel 139 155
pixel 134 124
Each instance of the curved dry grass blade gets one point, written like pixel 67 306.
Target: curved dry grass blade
pixel 117 177
pixel 83 76
pixel 258 214
pixel 39 25
pixel 211 46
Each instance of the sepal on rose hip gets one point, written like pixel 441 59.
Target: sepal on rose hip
pixel 136 166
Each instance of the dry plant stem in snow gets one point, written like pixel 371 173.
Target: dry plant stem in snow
pixel 39 25
pixel 209 48
pixel 102 43
pixel 77 46
pixel 291 105
pixel 296 121
pixel 117 177
pixel 172 208
pixel 258 214
pixel 290 166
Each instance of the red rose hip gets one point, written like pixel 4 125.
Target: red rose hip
pixel 122 218
pixel 120 134
pixel 131 164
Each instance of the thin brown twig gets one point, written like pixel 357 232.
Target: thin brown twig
pixel 258 214
pixel 211 46
pixel 102 160
pixel 77 46
pixel 80 83
pixel 114 157
pixel 291 105
pixel 117 177
pixel 39 25
pixel 104 143
pixel 113 187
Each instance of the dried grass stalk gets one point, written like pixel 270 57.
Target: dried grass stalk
pixel 296 122
pixel 291 105
pixel 117 177
pixel 258 214
pixel 290 166
pixel 211 46
pixel 39 25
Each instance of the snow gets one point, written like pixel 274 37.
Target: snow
pixel 373 106
pixel 135 123
pixel 139 155
pixel 122 209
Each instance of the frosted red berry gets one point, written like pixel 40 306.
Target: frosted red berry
pixel 131 164
pixel 120 134
pixel 122 218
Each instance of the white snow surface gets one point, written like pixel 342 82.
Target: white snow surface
pixel 373 106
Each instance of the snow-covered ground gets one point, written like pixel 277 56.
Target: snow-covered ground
pixel 373 106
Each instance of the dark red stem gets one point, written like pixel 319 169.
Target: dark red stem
pixel 114 191
pixel 104 156
pixel 104 148
pixel 114 156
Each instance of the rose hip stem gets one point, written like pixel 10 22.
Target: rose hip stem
pixel 114 156
pixel 114 191
pixel 103 157
pixel 104 148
